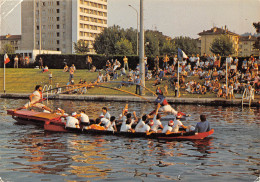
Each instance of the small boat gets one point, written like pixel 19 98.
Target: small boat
pixel 54 123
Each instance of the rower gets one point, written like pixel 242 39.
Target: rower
pixel 105 113
pixel 35 99
pixel 112 124
pixel 127 124
pixel 84 119
pixel 202 126
pixel 168 128
pixel 141 123
pixel 156 120
pixel 165 106
pixel 72 121
pixel 178 124
pixel 147 127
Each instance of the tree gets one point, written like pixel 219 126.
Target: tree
pixel 257 42
pixel 106 40
pixel 168 48
pixel 187 44
pixel 7 48
pixel 123 47
pixel 81 47
pixel 222 45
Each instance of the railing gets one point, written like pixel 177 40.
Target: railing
pixel 248 95
pixel 49 88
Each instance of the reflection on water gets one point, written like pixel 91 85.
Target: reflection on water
pixel 27 153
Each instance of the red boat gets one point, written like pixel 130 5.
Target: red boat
pixel 53 123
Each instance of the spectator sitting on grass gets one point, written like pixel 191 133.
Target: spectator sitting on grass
pixel 99 77
pixel 66 68
pixel 123 72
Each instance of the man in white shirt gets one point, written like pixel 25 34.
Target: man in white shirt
pixel 167 129
pixel 147 127
pixel 141 123
pixel 84 118
pixel 127 124
pixel 35 99
pixel 105 113
pixel 156 120
pixel 72 121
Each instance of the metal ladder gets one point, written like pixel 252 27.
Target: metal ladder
pixel 248 96
pixel 48 87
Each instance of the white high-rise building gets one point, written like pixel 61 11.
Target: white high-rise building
pixel 56 24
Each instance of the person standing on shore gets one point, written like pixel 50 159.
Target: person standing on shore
pixel 71 73
pixel 125 63
pixel 16 62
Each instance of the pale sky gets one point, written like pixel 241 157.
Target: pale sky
pixel 172 17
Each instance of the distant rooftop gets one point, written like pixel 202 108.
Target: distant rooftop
pixel 216 30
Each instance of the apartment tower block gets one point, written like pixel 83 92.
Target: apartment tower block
pixel 56 24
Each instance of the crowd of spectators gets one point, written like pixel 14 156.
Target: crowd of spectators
pixel 211 72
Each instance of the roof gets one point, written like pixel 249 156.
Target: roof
pixel 10 37
pixel 247 38
pixel 216 31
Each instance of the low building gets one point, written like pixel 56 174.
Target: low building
pixel 208 36
pixel 14 40
pixel 246 46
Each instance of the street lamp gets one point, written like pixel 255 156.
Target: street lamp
pixel 136 29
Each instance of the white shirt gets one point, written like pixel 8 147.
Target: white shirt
pixel 139 126
pixel 72 122
pixel 107 115
pixel 125 127
pixel 84 118
pixel 110 126
pixel 105 121
pixel 156 124
pixel 177 124
pixel 36 96
pixel 166 128
pixel 145 128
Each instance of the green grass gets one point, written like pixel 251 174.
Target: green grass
pixel 24 81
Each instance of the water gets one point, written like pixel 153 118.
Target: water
pixel 27 153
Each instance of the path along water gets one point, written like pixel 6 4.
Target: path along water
pixel 27 153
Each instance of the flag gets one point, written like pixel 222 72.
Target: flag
pixel 6 59
pixel 181 54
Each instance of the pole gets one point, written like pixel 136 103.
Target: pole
pixel 40 27
pixel 141 55
pixel 136 29
pixel 4 77
pixel 178 77
pixel 226 79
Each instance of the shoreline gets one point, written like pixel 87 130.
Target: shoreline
pixel 171 100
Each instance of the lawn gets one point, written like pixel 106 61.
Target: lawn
pixel 23 80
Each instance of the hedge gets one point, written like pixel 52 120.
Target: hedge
pixel 58 61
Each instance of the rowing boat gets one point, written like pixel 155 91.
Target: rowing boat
pixel 54 123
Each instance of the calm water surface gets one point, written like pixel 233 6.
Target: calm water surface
pixel 27 153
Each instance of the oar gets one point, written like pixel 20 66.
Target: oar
pixel 133 84
pixel 123 91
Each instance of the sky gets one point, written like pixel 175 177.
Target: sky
pixel 171 17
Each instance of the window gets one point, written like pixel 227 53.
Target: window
pixel 58 49
pixel 58 18
pixel 58 10
pixel 58 3
pixel 58 26
pixel 43 3
pixel 37 27
pixel 30 55
pixel 58 34
pixel 58 42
